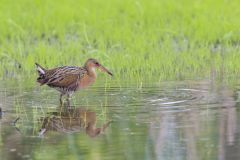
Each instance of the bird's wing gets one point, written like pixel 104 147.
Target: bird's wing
pixel 64 76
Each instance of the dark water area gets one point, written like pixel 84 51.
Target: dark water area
pixel 194 120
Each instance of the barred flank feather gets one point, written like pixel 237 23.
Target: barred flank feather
pixel 63 78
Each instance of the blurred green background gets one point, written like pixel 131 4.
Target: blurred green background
pixel 136 39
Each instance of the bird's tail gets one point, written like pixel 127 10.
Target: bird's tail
pixel 41 72
pixel 40 69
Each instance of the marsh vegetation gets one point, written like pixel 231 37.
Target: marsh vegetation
pixel 137 39
pixel 174 94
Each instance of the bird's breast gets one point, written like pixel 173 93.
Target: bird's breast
pixel 86 81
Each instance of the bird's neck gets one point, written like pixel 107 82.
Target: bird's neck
pixel 92 72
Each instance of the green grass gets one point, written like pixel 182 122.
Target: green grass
pixel 136 39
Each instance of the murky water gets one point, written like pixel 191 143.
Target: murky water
pixel 162 120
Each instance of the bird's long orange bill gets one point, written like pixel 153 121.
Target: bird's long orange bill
pixel 103 69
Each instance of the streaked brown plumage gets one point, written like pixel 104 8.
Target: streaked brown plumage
pixel 68 79
pixel 72 120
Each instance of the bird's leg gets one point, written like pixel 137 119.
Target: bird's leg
pixel 68 99
pixel 61 101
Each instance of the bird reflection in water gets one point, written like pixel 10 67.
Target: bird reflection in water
pixel 72 120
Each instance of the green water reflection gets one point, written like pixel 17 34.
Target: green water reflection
pixel 163 120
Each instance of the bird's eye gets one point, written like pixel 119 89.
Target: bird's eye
pixel 97 63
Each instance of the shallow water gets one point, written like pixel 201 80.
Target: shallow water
pixel 162 120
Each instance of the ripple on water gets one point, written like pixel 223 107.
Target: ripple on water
pixel 169 98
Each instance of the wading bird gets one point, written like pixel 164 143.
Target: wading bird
pixel 68 79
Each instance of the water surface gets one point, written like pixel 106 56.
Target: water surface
pixel 159 120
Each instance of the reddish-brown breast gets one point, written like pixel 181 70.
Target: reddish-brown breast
pixel 87 80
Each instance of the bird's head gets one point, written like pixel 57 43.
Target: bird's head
pixel 91 64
